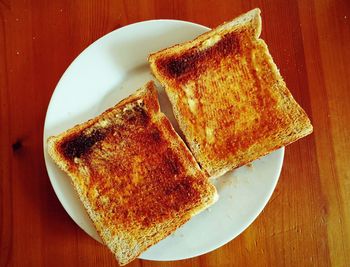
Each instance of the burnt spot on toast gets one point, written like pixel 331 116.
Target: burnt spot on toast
pixel 192 63
pixel 80 144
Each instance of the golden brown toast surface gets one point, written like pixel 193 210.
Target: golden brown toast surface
pixel 134 173
pixel 228 96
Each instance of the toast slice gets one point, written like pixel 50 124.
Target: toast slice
pixel 228 96
pixel 135 176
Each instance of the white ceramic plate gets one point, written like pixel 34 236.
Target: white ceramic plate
pixel 109 70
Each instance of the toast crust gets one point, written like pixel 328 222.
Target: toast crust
pixel 228 96
pixel 135 176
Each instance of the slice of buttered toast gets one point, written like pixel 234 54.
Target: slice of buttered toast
pixel 228 96
pixel 136 178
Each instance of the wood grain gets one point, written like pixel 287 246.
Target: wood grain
pixel 307 221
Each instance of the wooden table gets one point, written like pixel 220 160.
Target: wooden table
pixel 307 221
